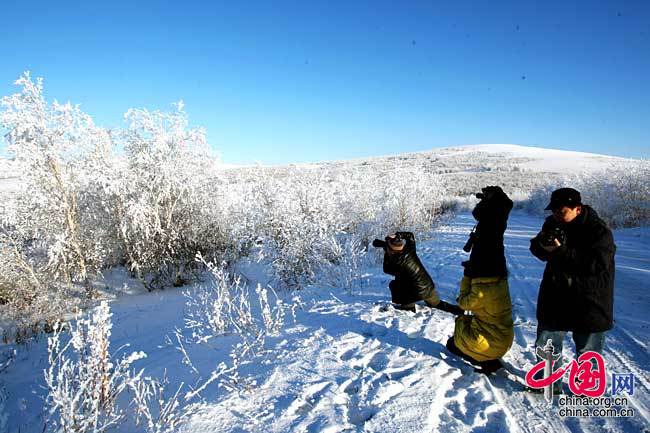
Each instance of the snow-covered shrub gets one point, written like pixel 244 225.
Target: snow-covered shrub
pixel 619 194
pixel 225 307
pixel 344 258
pixel 30 299
pixel 300 213
pixel 89 390
pixel 54 147
pixel 83 379
pixel 410 199
pixel 162 212
pixel 157 409
pixel 90 199
pixel 308 222
pixel 273 316
pixel 19 282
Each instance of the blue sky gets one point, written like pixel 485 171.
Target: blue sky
pixel 279 82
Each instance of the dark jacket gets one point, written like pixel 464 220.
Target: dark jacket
pixel 577 289
pixel 412 282
pixel 487 258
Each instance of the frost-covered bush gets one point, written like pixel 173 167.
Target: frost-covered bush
pixel 162 208
pixel 52 229
pixel 89 390
pixel 409 199
pixel 619 194
pixel 54 146
pixel 310 223
pixel 155 408
pixel 83 380
pixel 300 213
pixel 89 199
pixel 224 307
pixel 345 256
pixel 30 299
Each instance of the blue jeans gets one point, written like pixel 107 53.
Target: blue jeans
pixel 585 342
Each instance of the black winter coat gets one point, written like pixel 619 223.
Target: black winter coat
pixel 487 258
pixel 577 290
pixel 412 281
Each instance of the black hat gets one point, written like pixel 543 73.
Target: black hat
pixel 564 197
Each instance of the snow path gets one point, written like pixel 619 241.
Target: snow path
pixel 348 364
pixel 357 367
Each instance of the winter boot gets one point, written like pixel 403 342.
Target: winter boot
pixel 451 346
pixel 489 367
pixel 406 307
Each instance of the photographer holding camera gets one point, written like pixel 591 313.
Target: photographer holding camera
pixel 412 282
pixel 577 290
pixel 486 334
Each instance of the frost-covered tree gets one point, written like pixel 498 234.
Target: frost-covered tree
pixel 55 146
pixel 161 208
pixel 92 198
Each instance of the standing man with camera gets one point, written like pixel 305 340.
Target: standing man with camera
pixel 577 289
pixel 486 334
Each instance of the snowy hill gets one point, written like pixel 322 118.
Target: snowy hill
pixel 465 169
pixel 540 159
pixel 452 160
pixel 348 365
pixel 481 156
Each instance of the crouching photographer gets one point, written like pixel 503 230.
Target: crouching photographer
pixel 486 334
pixel 412 282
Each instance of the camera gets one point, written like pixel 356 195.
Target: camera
pixel 547 238
pixel 485 193
pixel 378 243
pixel 470 242
pixel 488 192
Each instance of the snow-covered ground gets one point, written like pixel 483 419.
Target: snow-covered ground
pixel 348 364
